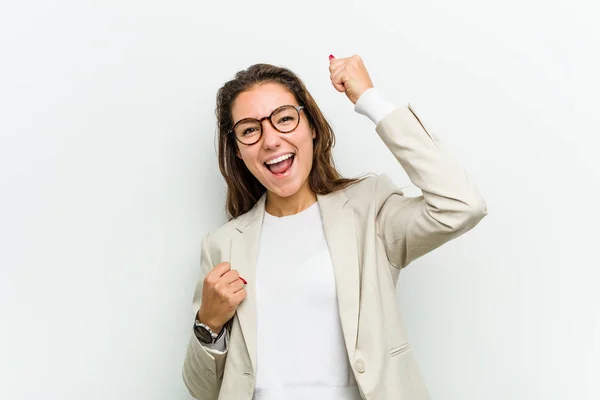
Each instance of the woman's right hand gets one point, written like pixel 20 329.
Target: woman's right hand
pixel 349 75
pixel 222 293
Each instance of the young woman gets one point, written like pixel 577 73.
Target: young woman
pixel 297 298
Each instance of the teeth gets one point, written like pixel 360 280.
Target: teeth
pixel 279 159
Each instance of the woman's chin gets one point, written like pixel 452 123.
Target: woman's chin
pixel 285 190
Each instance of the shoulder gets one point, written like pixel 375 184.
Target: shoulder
pixel 221 236
pixel 217 242
pixel 224 231
pixel 374 189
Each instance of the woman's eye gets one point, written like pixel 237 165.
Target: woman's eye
pixel 249 131
pixel 285 119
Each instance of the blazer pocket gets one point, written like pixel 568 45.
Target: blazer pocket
pixel 396 351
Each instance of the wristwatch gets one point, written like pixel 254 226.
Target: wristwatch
pixel 205 334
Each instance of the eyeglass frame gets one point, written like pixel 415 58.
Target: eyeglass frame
pixel 232 130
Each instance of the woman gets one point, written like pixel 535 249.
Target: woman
pixel 298 296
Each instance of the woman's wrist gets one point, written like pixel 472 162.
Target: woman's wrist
pixel 215 327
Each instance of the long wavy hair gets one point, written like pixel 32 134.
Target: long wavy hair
pixel 243 189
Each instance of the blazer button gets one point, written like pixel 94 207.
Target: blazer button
pixel 360 365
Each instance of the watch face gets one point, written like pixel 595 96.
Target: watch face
pixel 202 334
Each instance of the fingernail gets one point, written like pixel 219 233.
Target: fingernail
pixel 243 280
pixel 331 57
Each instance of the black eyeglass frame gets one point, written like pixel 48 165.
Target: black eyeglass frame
pixel 232 130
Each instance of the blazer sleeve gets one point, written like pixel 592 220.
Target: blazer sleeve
pixel 203 369
pixel 450 205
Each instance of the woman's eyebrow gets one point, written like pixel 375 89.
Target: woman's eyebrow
pixel 281 105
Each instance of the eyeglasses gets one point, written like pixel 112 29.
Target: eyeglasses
pixel 284 119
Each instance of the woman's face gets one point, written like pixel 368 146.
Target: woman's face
pixel 289 175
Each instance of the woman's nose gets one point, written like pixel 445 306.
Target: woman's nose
pixel 271 137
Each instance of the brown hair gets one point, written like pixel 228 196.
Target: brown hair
pixel 243 189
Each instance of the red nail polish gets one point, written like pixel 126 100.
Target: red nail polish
pixel 243 280
pixel 331 57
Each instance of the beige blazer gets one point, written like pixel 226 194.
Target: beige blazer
pixel 372 231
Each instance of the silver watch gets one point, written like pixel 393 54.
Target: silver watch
pixel 205 334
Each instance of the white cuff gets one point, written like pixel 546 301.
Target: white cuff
pixel 372 105
pixel 218 347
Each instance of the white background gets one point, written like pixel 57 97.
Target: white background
pixel 109 179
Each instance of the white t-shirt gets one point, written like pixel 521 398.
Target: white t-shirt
pixel 300 345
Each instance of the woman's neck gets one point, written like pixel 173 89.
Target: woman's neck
pixel 284 206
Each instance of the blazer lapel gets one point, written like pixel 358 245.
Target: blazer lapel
pixel 244 251
pixel 340 232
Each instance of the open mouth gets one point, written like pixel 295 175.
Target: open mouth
pixel 282 165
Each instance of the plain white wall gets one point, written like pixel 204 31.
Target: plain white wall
pixel 108 180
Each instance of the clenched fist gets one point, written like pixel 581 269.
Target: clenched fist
pixel 222 292
pixel 349 75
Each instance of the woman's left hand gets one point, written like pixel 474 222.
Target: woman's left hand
pixel 349 75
